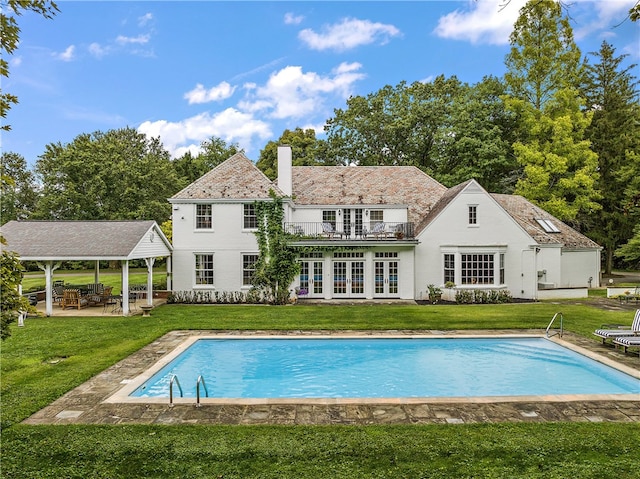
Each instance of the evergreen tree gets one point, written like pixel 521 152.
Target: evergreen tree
pixel 610 90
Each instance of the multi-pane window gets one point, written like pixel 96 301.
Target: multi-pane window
pixel 449 268
pixel 329 216
pixel 375 216
pixel 473 214
pixel 476 268
pixel 204 269
pixel 248 268
pixel 250 218
pixel 501 268
pixel 204 217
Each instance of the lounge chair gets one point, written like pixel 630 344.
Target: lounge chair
pixel 72 299
pixel 627 342
pixel 621 331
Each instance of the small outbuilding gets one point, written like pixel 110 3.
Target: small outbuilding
pixel 49 243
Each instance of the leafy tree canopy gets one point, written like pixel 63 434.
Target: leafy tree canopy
pixel 306 151
pixel 120 174
pixel 11 302
pixel 213 152
pixel 18 189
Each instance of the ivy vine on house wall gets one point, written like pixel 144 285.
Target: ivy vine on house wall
pixel 277 264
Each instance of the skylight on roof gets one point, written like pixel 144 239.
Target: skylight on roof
pixel 548 225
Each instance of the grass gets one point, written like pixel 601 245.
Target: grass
pixel 50 356
pixel 36 281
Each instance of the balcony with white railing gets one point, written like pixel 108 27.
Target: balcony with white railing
pixel 329 231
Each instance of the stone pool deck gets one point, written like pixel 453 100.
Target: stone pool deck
pixel 89 402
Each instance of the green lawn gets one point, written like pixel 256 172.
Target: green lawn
pixel 35 281
pixel 31 380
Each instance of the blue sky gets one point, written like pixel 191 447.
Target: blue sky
pixel 245 71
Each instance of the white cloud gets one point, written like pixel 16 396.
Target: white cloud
pixel 98 50
pixel 487 21
pixel 231 125
pixel 200 94
pixel 15 61
pixel 139 40
pixel 348 34
pixel 291 93
pixel 144 19
pixel 598 17
pixel 67 55
pixel 292 19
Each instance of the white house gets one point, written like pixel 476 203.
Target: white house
pixel 376 232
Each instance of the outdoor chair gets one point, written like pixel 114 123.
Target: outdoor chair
pixel 621 331
pixel 58 294
pixel 327 230
pixel 72 299
pixel 627 342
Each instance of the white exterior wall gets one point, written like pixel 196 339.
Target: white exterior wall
pixel 578 266
pixel 495 232
pixel 227 241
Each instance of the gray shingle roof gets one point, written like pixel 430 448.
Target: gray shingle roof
pixel 74 239
pixel 235 178
pixel 367 185
pixel 525 213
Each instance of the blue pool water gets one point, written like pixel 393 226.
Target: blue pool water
pixel 381 368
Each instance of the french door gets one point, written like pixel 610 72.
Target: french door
pixel 385 279
pixel 348 279
pixel 311 279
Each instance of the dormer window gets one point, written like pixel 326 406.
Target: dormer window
pixel 473 214
pixel 548 225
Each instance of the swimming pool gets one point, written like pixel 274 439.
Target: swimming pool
pixel 253 368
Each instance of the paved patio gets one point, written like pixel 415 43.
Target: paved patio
pixel 87 404
pixel 98 310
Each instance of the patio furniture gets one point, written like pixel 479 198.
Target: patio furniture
pixel 328 230
pixel 113 301
pixel 621 331
pixel 58 293
pixel 72 299
pixel 627 342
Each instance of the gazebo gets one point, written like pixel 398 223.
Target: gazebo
pixel 48 243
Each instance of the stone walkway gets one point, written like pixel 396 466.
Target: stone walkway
pixel 87 404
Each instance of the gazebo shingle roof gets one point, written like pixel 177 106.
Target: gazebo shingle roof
pixel 74 239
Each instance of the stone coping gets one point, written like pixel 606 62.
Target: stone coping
pixel 100 400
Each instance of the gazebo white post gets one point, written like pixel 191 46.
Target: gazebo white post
pixel 96 272
pixel 150 262
pixel 125 287
pixel 169 274
pixel 48 269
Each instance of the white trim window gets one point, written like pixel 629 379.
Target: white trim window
pixel 473 215
pixel 204 269
pixel 376 217
pixel 329 216
pixel 249 218
pixel 449 268
pixel 204 217
pixel 477 268
pixel 248 268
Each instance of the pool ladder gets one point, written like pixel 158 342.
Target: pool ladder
pixel 559 332
pixel 199 381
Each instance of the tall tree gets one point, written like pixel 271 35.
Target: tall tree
pixel 543 75
pixel 213 152
pixel 305 148
pixel 560 169
pixel 611 93
pixel 543 57
pixel 10 38
pixel 120 174
pixel 19 192
pixel 449 129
